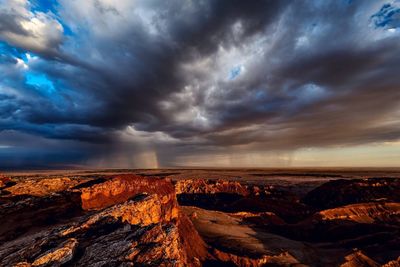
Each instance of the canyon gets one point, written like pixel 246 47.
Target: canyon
pixel 200 218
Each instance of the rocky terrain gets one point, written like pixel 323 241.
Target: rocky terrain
pixel 150 218
pixel 121 221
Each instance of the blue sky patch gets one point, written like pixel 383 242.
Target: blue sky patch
pixel 44 6
pixel 387 17
pixel 235 72
pixel 40 81
pixel 6 49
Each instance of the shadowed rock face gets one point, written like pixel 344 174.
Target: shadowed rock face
pixel 23 214
pixel 364 214
pixel 5 182
pixel 343 192
pixel 234 197
pixel 235 241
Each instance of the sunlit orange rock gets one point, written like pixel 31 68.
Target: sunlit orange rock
pixel 136 222
pixel 363 213
pixel 143 212
pixel 263 218
pixel 393 263
pixel 42 187
pixel 58 256
pixel 358 259
pixel 201 186
pixel 123 187
pixel 283 259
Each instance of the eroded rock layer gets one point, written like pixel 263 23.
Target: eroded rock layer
pixel 333 220
pixel 127 220
pixel 123 187
pixel 201 186
pixel 363 213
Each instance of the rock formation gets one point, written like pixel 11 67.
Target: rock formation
pixel 125 220
pixel 363 213
pixel 42 187
pixel 133 220
pixel 201 186
pixel 229 196
pixel 358 259
pixel 393 263
pixel 124 187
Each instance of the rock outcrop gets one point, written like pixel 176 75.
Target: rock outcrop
pixel 393 263
pixel 283 259
pixel 124 187
pixel 42 187
pixel 125 220
pixel 60 255
pixel 358 259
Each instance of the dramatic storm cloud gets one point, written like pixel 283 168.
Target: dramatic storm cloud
pixel 199 83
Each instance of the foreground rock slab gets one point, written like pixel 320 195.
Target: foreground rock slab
pixel 125 221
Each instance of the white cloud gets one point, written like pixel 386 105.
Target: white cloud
pixel 107 19
pixel 21 63
pixel 34 31
pixel 131 134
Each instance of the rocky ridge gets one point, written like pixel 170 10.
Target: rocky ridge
pixel 363 213
pixel 343 192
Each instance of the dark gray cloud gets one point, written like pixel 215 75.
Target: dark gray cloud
pixel 196 77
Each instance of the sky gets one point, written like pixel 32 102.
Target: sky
pixel 227 83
